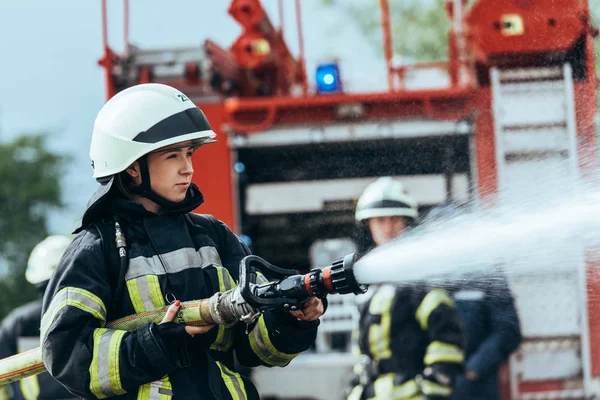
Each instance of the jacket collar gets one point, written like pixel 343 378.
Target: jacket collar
pixel 107 202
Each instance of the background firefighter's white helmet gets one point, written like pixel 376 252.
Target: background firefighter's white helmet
pixel 141 119
pixel 44 258
pixel 385 197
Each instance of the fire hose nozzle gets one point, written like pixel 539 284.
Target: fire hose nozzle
pixel 291 289
pixel 341 276
pixel 242 304
pixel 336 278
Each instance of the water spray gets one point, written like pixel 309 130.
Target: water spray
pixel 530 235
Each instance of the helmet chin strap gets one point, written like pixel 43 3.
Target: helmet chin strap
pixel 144 189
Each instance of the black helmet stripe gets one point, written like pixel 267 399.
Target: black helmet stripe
pixel 182 123
pixel 386 204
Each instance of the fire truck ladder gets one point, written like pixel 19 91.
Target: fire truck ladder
pixel 536 154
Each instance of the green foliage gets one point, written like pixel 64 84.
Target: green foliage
pixel 419 28
pixel 29 189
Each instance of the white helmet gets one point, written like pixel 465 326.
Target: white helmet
pixel 141 119
pixel 44 258
pixel 385 198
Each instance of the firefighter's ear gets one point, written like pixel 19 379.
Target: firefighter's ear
pixel 134 170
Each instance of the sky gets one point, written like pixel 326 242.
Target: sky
pixel 50 80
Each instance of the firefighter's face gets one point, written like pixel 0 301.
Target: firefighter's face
pixel 171 172
pixel 385 229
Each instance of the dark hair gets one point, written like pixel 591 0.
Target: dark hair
pixel 125 184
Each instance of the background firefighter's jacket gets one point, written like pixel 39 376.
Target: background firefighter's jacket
pixel 175 255
pixel 19 332
pixel 487 311
pixel 414 342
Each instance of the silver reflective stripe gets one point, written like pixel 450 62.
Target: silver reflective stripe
pixel 235 380
pixel 174 261
pixel 103 356
pixel 74 297
pixel 155 390
pixel 266 354
pixel 145 294
pixel 226 277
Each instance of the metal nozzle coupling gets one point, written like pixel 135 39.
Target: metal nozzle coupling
pixel 339 277
pixel 229 308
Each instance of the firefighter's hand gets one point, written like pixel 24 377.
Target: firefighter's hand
pixel 313 309
pixel 190 329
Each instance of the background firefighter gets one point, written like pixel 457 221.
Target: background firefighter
pixel 486 308
pixel 20 330
pixel 409 335
pixel 141 151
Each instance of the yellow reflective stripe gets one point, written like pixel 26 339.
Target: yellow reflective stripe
pixel 30 388
pixel 385 389
pixel 157 390
pixel 356 393
pixel 224 339
pixel 145 293
pixel 233 382
pixel 166 390
pixel 430 388
pixel 263 347
pixel 158 300
pixel 105 376
pixel 5 392
pixel 433 300
pixel 144 392
pixel 73 297
pixel 134 296
pixel 443 352
pixel 406 390
pixel 379 334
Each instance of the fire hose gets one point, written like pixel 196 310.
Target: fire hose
pixel 285 289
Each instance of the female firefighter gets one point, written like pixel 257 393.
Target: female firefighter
pixel 409 336
pixel 141 150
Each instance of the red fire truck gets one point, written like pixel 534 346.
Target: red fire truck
pixel 292 157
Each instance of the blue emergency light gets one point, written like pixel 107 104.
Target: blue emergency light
pixel 328 78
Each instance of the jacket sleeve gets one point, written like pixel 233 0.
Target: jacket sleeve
pixel 505 331
pixel 78 351
pixel 8 347
pixel 444 355
pixel 276 337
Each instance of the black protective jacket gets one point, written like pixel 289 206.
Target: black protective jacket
pixel 172 255
pixel 19 332
pixel 411 342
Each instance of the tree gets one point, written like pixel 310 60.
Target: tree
pixel 29 188
pixel 419 28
